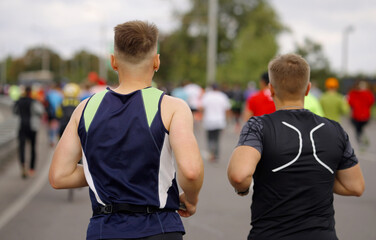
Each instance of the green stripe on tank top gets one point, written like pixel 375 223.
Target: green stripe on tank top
pixel 92 107
pixel 151 98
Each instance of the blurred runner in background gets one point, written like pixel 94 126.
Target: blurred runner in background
pixel 361 100
pixel 236 95
pixel 312 104
pixel 65 110
pixel 260 103
pixel 30 112
pixel 333 103
pixel 194 93
pixel 215 105
pixel 54 97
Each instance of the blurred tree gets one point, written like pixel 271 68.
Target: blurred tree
pixel 318 62
pixel 14 67
pixel 112 77
pixel 247 31
pixel 254 46
pixel 33 59
pixel 75 69
pixel 78 68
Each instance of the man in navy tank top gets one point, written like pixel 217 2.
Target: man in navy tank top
pixel 297 160
pixel 126 138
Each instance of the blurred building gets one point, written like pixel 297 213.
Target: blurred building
pixel 32 77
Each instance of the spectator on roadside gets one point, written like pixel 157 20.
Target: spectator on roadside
pixel 333 103
pixel 296 159
pixel 30 112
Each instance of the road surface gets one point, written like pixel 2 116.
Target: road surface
pixel 31 209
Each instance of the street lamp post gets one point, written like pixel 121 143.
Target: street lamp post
pixel 345 48
pixel 212 42
pixel 3 72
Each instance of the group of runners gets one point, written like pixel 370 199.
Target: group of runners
pixel 143 166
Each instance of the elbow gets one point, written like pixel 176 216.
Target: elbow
pixel 235 179
pixel 54 181
pixel 193 175
pixel 359 191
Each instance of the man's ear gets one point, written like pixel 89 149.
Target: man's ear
pixel 272 92
pixel 308 88
pixel 114 64
pixel 156 63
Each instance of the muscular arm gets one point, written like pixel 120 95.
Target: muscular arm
pixel 187 153
pixel 349 182
pixel 65 172
pixel 242 165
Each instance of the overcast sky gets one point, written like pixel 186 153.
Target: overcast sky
pixel 71 25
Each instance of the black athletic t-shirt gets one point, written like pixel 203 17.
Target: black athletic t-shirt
pixel 293 182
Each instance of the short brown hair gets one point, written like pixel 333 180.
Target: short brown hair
pixel 289 74
pixel 134 40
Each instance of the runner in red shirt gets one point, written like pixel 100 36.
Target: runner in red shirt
pixel 361 100
pixel 260 103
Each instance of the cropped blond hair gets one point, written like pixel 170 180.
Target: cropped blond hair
pixel 289 74
pixel 135 40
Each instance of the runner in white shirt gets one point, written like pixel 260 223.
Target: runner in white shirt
pixel 215 104
pixel 194 92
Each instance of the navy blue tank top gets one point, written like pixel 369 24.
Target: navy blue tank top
pixel 128 159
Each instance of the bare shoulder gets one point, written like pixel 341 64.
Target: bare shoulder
pixel 174 104
pixel 173 107
pixel 78 111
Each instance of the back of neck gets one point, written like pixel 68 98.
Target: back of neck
pixel 128 84
pixel 279 105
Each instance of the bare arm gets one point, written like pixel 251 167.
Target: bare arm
pixel 241 168
pixel 349 182
pixel 187 154
pixel 65 172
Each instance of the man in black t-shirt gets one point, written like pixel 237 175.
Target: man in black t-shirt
pixel 29 112
pixel 297 160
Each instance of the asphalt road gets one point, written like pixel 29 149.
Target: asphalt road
pixel 31 209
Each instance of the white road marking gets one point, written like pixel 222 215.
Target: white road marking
pixel 13 209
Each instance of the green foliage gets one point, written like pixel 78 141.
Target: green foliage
pixel 247 32
pixel 182 58
pixel 253 48
pixel 73 70
pixel 78 68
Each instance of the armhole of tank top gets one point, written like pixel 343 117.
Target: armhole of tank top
pixel 91 108
pixel 151 98
pixel 160 113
